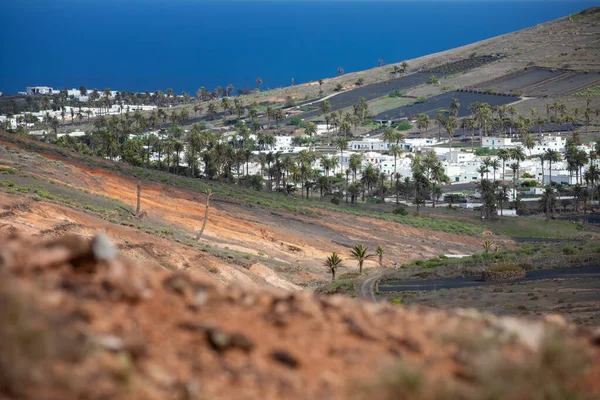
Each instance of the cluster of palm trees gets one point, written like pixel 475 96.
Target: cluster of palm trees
pixel 495 192
pixel 343 122
pixel 359 253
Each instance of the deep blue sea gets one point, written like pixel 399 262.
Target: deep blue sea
pixel 138 45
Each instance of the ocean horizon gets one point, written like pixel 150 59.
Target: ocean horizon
pixel 140 45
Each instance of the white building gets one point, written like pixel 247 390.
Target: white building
pixel 31 90
pixel 493 142
pixel 369 145
pixel 556 143
pixel 322 129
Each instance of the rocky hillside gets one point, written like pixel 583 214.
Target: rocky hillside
pixel 252 238
pixel 80 322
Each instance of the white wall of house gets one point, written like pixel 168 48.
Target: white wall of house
pixel 369 145
pixel 494 142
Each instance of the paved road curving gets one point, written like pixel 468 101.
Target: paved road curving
pixel 367 291
pixel 474 281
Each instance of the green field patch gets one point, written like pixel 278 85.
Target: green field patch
pixel 387 103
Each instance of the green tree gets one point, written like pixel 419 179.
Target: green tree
pixel 380 251
pixel 333 262
pixel 529 143
pixel 551 156
pixel 360 254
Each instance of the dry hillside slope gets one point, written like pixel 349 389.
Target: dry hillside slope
pixel 79 322
pixel 242 243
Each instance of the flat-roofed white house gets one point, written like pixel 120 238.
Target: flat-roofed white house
pixel 556 143
pixel 31 90
pixel 369 145
pixel 493 142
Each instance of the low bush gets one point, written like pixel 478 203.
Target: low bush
pixel 400 210
pixel 397 93
pixel 568 251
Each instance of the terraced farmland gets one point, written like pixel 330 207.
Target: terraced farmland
pixel 538 82
pixel 436 103
pixel 464 65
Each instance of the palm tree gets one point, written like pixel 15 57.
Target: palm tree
pixel 542 158
pixel 482 170
pixel 495 164
pixel 518 155
pixel 404 66
pixel 455 107
pixel 396 151
pixel 279 115
pixel 529 143
pixel 451 125
pixel 504 155
pixel 551 156
pixel 333 262
pixel 258 83
pixel 380 253
pixel 592 175
pixel 355 164
pixel 360 254
pixel 487 163
pixel 342 144
pixel 548 201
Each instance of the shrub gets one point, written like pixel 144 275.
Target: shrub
pixel 397 301
pixel 568 251
pixel 335 200
pixel 8 170
pixel 402 125
pixel 297 121
pixel 527 175
pixel 400 210
pixel 397 93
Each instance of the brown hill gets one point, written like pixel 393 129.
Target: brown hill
pixel 243 243
pixel 79 322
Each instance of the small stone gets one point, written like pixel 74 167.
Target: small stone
pixel 178 283
pixel 285 358
pixel 200 298
pixel 103 248
pixel 109 342
pixel 241 342
pixel 219 340
pixel 197 326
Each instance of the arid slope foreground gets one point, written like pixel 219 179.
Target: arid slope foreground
pixel 78 322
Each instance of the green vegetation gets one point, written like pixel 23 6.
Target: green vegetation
pixel 528 256
pixel 575 17
pixel 402 125
pixel 297 121
pixel 397 93
pixel 384 104
pixel 594 91
pixel 8 171
pixel 400 210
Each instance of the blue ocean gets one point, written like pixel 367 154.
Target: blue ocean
pixel 137 45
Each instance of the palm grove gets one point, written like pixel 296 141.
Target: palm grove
pixel 202 153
